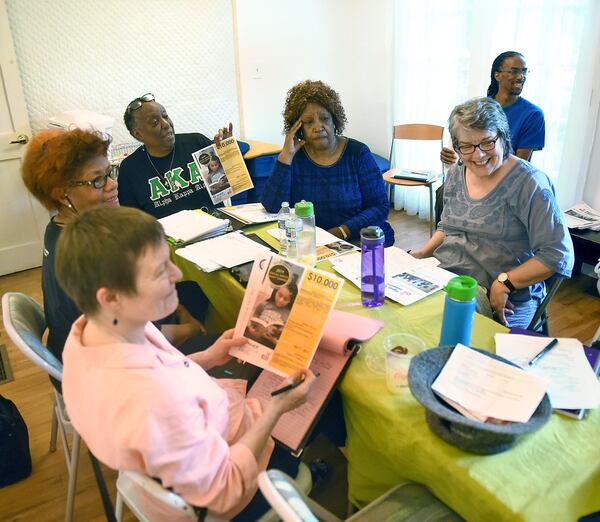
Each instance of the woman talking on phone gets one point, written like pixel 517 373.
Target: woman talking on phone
pixel 337 174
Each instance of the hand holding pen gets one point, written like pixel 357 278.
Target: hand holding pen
pixel 546 349
pixel 294 391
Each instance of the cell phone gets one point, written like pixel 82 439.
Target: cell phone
pixel 299 134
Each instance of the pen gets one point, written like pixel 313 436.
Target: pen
pixel 290 386
pixel 547 348
pixel 287 387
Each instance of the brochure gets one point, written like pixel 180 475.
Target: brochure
pixel 284 312
pixel 223 170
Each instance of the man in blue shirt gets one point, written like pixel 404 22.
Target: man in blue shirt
pixel 525 120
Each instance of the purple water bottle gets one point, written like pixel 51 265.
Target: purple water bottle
pixel 372 276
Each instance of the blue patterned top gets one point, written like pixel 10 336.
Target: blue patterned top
pixel 350 192
pixel 517 220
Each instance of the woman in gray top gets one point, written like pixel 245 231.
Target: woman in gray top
pixel 501 223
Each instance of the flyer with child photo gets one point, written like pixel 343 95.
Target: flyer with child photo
pixel 223 170
pixel 283 315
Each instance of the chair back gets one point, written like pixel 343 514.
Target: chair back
pixel 25 325
pixel 539 321
pixel 417 132
pixel 131 483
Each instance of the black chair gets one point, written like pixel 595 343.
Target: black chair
pixel 539 322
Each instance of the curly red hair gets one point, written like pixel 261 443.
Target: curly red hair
pixel 55 157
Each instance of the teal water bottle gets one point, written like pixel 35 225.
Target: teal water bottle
pixel 459 310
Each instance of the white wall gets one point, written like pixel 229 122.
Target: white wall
pixel 345 43
pixel 100 54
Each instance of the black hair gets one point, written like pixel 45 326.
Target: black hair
pixel 493 88
pixel 293 289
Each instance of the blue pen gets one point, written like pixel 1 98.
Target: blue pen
pixel 547 348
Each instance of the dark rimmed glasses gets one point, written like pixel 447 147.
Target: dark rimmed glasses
pixel 138 102
pixel 484 146
pixel 99 181
pixel 515 71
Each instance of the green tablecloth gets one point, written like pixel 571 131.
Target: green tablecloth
pixel 553 474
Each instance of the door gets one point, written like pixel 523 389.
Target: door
pixel 22 218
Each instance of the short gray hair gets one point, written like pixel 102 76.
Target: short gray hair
pixel 481 114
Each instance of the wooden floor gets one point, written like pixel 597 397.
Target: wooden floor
pixel 574 312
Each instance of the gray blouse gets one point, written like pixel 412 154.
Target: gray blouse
pixel 517 220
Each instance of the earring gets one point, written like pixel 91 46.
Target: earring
pixel 115 321
pixel 460 163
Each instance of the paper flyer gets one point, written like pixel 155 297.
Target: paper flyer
pixel 285 309
pixel 223 170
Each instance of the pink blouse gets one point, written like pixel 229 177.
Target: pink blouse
pixel 153 410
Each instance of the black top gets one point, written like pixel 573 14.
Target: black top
pixel 59 310
pixel 161 188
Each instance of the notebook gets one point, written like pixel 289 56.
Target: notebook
pixel 340 342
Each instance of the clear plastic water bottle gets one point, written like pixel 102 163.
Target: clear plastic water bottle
pixel 293 230
pixel 372 273
pixel 284 212
pixel 459 309
pixel 307 245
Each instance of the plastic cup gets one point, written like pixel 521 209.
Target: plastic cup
pixel 399 349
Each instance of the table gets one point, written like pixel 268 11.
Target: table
pixel 587 247
pixel 553 474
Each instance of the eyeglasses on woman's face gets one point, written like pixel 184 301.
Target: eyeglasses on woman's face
pixel 99 181
pixel 138 102
pixel 485 146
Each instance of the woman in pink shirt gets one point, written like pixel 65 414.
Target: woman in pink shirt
pixel 139 403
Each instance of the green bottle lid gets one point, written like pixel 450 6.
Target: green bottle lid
pixel 461 288
pixel 304 209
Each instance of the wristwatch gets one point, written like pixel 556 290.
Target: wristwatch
pixel 503 278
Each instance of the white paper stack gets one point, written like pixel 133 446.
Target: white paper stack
pixel 483 388
pixel 187 226
pixel 225 251
pixel 573 383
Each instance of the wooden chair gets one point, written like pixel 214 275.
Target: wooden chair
pixel 420 132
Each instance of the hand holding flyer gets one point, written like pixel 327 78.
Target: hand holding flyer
pixel 223 169
pixel 283 315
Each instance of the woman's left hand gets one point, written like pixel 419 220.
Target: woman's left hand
pixel 219 351
pixel 499 302
pixel 224 133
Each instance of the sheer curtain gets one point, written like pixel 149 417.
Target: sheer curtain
pixel 443 55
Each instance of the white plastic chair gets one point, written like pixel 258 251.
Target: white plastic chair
pixel 131 483
pixel 25 325
pixel 401 503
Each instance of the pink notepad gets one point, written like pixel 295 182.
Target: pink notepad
pixel 339 343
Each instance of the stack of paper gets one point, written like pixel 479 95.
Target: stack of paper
pixel 407 279
pixel 573 383
pixel 485 389
pixel 222 252
pixel 188 226
pixel 582 216
pixel 250 213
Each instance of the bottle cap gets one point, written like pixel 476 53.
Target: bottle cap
pixel 285 204
pixel 304 209
pixel 371 233
pixel 461 288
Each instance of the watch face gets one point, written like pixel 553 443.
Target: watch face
pixel 503 277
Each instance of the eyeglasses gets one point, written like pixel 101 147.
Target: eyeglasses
pixel 515 71
pixel 485 146
pixel 138 102
pixel 99 181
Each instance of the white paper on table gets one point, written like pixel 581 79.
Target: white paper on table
pixel 222 252
pixel 407 279
pixel 322 236
pixel 250 213
pixel 489 387
pixel 572 381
